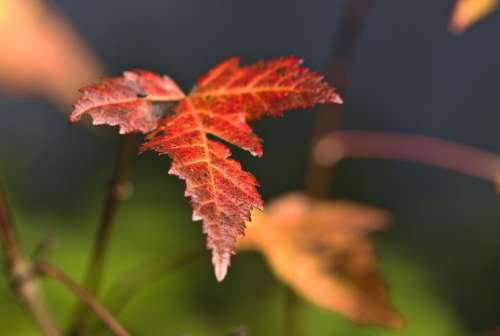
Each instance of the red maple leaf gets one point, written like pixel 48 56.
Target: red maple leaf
pixel 222 194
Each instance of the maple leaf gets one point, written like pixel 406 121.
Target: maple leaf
pixel 222 194
pixel 321 249
pixel 468 12
pixel 42 53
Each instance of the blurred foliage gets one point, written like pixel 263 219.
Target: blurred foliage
pixel 156 222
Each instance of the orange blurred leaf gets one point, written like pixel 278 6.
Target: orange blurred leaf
pixel 468 12
pixel 42 53
pixel 321 249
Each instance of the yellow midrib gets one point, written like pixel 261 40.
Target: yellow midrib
pixel 219 93
pixel 207 154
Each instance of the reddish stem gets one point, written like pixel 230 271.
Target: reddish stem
pixel 119 190
pixel 406 147
pixel 353 17
pixel 86 297
pixel 19 273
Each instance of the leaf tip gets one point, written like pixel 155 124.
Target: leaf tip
pixel 337 99
pixel 73 119
pixel 221 263
pixel 257 152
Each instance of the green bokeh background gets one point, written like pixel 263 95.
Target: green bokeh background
pixel 155 225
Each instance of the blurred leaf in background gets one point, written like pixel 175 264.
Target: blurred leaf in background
pixel 321 249
pixel 468 12
pixel 42 54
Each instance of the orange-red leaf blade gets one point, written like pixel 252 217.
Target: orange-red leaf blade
pixel 266 87
pixel 130 101
pixel 222 194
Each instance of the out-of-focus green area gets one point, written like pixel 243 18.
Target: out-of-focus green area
pixel 155 223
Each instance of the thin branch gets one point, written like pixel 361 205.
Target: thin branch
pixel 8 238
pixel 133 281
pixel 55 273
pixel 20 275
pixel 327 119
pixel 136 279
pixel 119 189
pixel 405 147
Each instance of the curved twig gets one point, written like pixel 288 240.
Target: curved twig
pixel 44 268
pixel 20 275
pixel 406 147
pixel 137 278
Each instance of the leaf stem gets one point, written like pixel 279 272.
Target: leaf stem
pixel 406 147
pixel 327 119
pixel 137 278
pixel 20 275
pixel 118 190
pixel 44 268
